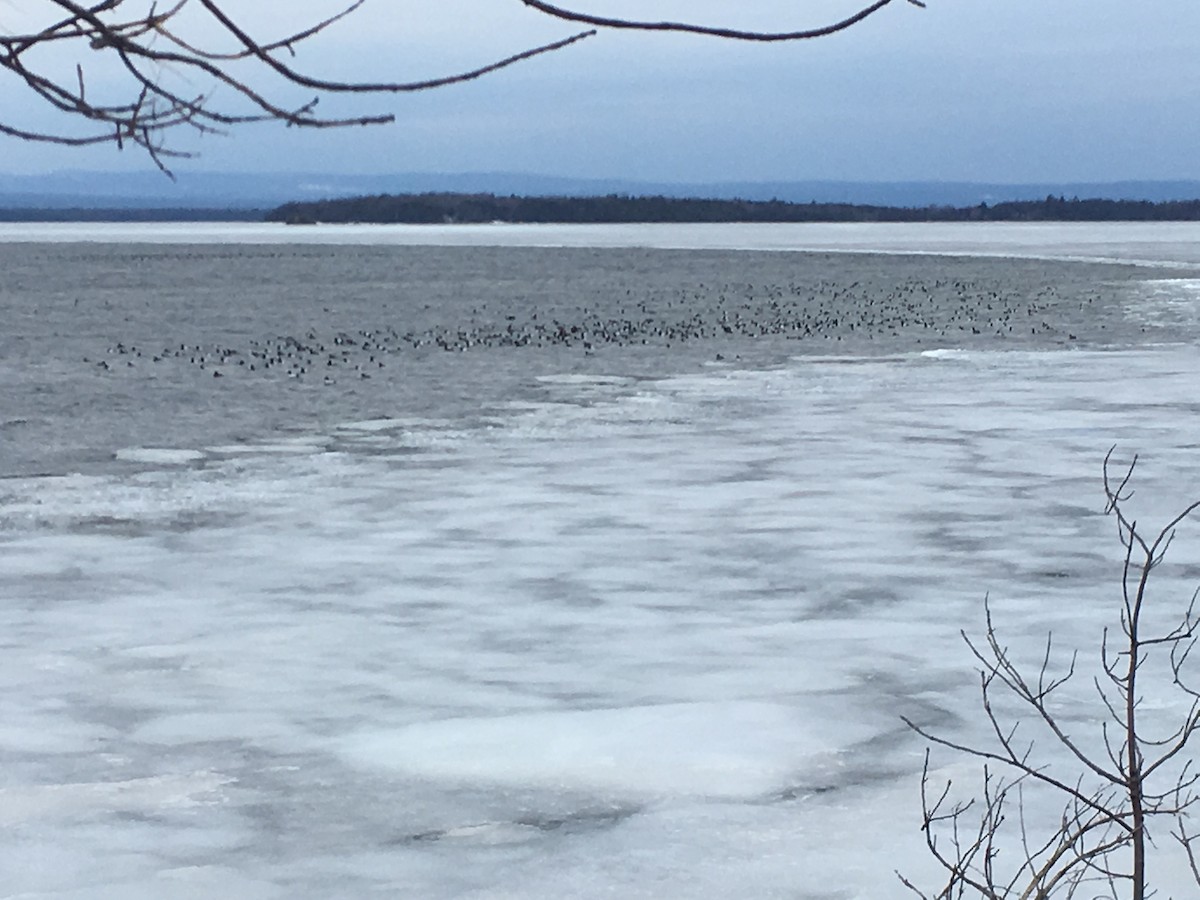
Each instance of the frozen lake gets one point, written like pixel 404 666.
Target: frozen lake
pixel 1156 243
pixel 538 619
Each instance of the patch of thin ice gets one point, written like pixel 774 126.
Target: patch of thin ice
pixel 1167 301
pixel 137 795
pixel 375 425
pixel 299 446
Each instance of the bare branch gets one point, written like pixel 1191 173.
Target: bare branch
pixel 735 34
pixel 155 48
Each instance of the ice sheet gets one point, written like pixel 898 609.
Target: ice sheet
pixel 1151 242
pixel 644 639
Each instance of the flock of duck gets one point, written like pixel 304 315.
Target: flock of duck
pixel 943 312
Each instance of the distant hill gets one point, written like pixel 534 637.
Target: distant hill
pixel 147 190
pixel 438 208
pixel 128 214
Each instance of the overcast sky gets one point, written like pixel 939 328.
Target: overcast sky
pixel 983 90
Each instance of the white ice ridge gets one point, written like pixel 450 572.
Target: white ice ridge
pixel 946 353
pixel 724 750
pixel 580 379
pixel 159 456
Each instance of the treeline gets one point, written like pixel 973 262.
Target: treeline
pixel 432 209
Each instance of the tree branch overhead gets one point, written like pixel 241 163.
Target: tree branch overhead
pixel 243 74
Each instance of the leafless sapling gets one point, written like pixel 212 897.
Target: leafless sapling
pixel 1115 794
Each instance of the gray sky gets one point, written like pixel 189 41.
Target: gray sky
pixel 986 90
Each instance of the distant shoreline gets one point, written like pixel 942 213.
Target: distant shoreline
pixel 482 209
pixel 478 209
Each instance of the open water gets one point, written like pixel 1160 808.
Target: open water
pixel 538 563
